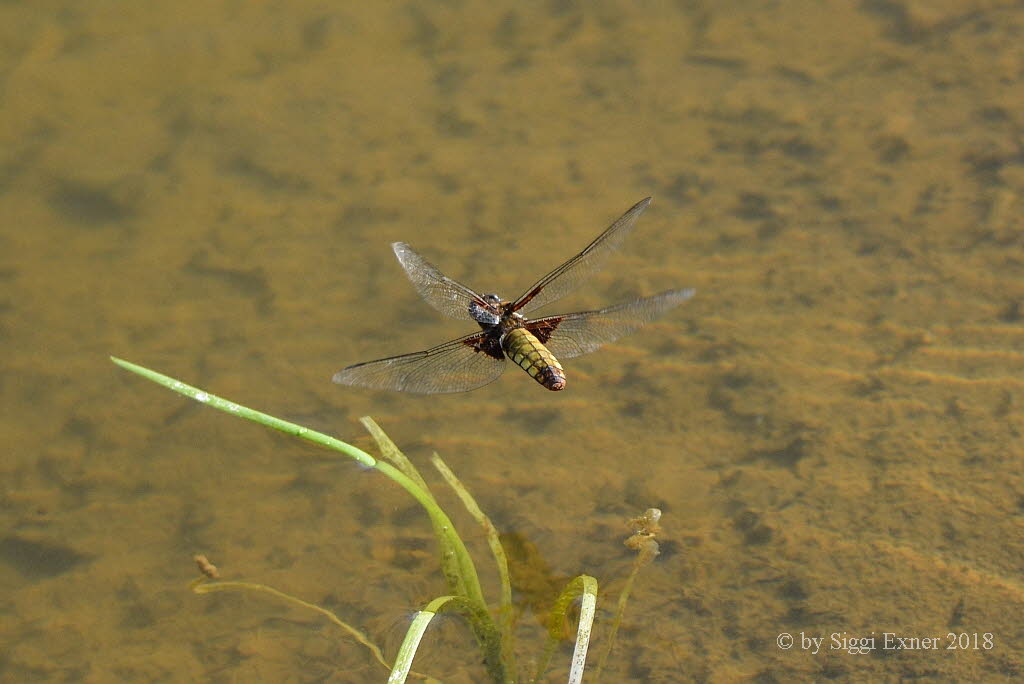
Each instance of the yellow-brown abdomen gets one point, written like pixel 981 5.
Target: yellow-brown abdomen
pixel 533 357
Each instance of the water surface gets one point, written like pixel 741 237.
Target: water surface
pixel 832 426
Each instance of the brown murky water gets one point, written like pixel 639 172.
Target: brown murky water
pixel 832 426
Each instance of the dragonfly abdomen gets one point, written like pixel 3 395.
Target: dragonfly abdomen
pixel 533 357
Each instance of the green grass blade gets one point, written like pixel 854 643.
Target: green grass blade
pixel 220 404
pixel 456 563
pixel 391 452
pixel 500 559
pixel 465 577
pixel 585 586
pixel 407 651
pixel 474 613
pixel 588 607
pixel 202 586
pixel 413 636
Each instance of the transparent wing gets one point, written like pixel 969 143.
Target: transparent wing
pixel 457 366
pixel 580 333
pixel 448 296
pixel 569 275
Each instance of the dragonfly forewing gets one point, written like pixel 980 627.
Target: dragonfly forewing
pixel 573 272
pixel 448 296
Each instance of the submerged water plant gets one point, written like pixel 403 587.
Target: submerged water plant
pixel 493 631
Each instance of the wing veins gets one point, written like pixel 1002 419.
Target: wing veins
pixel 583 332
pixel 445 294
pixel 456 366
pixel 571 274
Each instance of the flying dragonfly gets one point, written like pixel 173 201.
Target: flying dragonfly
pixel 534 344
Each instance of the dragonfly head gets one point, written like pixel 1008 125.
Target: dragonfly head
pixel 488 313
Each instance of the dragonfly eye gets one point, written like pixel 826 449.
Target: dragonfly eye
pixel 492 299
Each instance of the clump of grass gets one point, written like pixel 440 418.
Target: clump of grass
pixel 494 636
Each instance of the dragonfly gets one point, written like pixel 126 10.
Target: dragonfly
pixel 533 344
